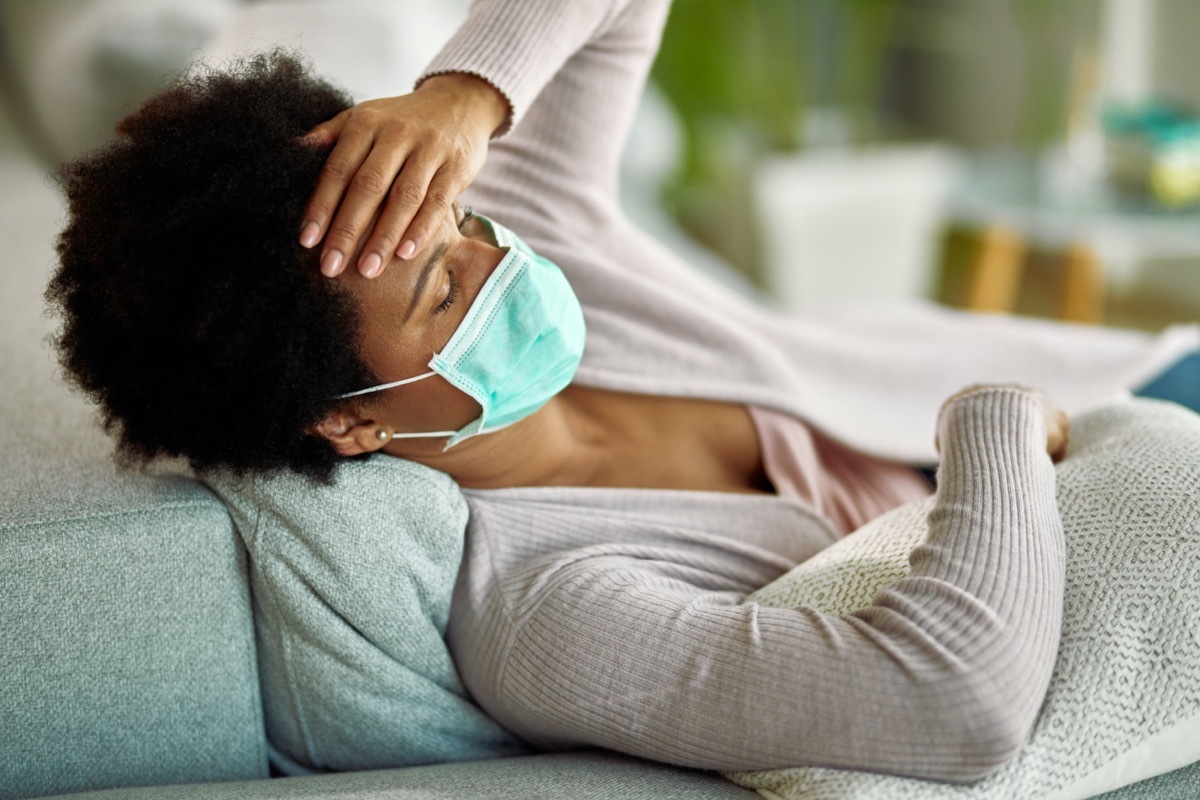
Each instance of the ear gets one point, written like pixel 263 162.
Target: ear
pixel 352 434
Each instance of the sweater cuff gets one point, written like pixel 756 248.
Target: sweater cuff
pixel 991 417
pixel 518 47
pixel 991 438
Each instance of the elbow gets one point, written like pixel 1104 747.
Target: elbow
pixel 985 736
pixel 990 745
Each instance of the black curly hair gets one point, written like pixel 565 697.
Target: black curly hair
pixel 191 314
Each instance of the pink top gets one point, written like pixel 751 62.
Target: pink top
pixel 847 486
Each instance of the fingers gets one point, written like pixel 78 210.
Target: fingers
pixel 390 179
pixel 1058 428
pixel 1058 425
pixel 315 214
pixel 1059 436
pixel 416 204
pixel 443 189
pixel 365 175
pixel 355 177
pixel 366 191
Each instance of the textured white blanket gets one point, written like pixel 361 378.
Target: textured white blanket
pixel 1124 700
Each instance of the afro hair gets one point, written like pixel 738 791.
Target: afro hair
pixel 190 313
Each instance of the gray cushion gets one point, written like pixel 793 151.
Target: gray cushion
pixel 352 587
pixel 579 777
pixel 1182 784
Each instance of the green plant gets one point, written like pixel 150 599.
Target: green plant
pixel 741 75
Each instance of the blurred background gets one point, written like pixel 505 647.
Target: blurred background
pixel 1038 157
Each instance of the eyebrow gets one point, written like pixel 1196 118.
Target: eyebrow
pixel 434 258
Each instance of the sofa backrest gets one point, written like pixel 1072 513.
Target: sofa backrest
pixel 127 651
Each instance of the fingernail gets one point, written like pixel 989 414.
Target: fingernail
pixel 370 265
pixel 331 264
pixel 309 234
pixel 407 249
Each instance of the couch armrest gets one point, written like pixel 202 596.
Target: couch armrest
pixel 126 644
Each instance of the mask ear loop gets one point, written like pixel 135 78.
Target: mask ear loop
pixel 392 385
pixel 429 435
pixel 383 386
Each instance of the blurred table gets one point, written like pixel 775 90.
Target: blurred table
pixel 1059 204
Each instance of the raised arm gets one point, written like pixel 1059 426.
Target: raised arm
pixel 407 158
pixel 571 117
pixel 941 677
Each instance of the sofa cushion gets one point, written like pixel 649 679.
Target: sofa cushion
pixel 1124 699
pixel 352 585
pixel 578 776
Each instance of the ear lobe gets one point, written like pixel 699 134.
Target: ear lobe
pixel 352 435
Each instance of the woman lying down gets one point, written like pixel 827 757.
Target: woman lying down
pixel 639 447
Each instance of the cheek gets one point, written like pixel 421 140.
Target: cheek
pixel 444 326
pixel 394 343
pixel 395 350
pixel 432 404
pixel 452 403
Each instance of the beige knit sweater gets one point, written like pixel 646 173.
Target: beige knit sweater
pixel 617 617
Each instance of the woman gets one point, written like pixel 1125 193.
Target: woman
pixel 625 496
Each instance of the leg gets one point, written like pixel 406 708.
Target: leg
pixel 1082 297
pixel 995 273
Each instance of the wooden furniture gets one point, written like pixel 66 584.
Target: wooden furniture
pixel 1016 202
pixel 998 266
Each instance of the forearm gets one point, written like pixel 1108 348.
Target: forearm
pixel 995 529
pixel 990 577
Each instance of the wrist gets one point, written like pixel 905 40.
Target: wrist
pixel 488 107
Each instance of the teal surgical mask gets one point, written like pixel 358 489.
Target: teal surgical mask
pixel 519 344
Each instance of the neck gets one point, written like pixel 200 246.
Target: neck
pixel 559 445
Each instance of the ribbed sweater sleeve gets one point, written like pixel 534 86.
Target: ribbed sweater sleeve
pixel 641 651
pixel 518 47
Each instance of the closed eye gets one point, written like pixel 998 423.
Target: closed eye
pixel 451 295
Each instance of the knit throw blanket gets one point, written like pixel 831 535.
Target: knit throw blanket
pixel 1124 700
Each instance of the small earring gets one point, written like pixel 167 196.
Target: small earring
pixel 381 435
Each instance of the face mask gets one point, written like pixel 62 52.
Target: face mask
pixel 518 345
